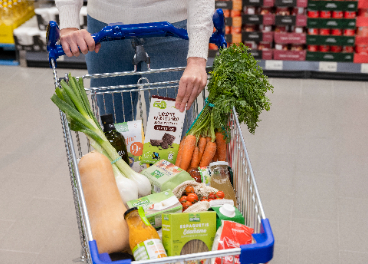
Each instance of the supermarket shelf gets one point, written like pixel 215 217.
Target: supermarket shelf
pixel 40 59
pixel 313 69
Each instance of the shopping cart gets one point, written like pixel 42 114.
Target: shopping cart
pixel 249 202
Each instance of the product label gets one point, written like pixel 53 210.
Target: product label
pixel 149 249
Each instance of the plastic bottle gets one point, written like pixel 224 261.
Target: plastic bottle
pixel 116 139
pixel 220 179
pixel 144 240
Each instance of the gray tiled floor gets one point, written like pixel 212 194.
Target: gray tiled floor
pixel 309 155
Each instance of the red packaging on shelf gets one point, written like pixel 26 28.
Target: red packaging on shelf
pixel 297 47
pixel 335 48
pixel 312 48
pixel 226 12
pixel 362 31
pixel 289 55
pixel 250 10
pixel 265 10
pixel 361 48
pixel 337 14
pixel 324 48
pixel 249 28
pixel 264 45
pixel 336 32
pixel 325 14
pixel 227 30
pixel 282 11
pixel 251 44
pixel 281 47
pixel 348 49
pixel 349 14
pixel 324 31
pixel 297 29
pixel 298 11
pixel 235 13
pixel 236 30
pixel 313 13
pixel 265 28
pixel 349 32
pixel 313 31
pixel 363 12
pixel 279 29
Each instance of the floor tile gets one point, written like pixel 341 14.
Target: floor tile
pixel 4 227
pixel 313 236
pixel 316 196
pixel 314 256
pixel 63 246
pixel 16 257
pixel 280 255
pixel 353 257
pixel 353 228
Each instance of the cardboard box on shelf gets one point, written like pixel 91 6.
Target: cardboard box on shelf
pixel 289 55
pixel 267 19
pixel 258 36
pixel 333 5
pixel 331 23
pixel 329 56
pixel 262 54
pixel 290 38
pixel 331 40
pixel 298 20
pixel 265 3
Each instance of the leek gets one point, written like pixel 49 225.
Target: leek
pixel 73 101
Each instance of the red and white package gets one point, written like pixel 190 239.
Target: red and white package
pixel 231 235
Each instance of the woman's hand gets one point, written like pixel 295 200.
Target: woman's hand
pixel 192 83
pixel 72 38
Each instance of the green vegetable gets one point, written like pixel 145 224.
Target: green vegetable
pixel 73 101
pixel 236 80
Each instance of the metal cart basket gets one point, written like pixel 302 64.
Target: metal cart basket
pixel 249 202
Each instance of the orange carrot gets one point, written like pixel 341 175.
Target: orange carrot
pixel 208 154
pixel 215 158
pixel 208 139
pixel 188 149
pixel 221 146
pixel 201 145
pixel 180 153
pixel 195 158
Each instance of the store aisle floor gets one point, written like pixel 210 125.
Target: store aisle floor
pixel 309 156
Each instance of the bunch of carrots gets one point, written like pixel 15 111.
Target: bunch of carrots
pixel 201 146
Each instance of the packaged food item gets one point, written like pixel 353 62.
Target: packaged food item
pixel 226 12
pixel 186 233
pixel 227 30
pixel 281 46
pixel 297 47
pixel 282 11
pixel 235 13
pixel 134 138
pixel 325 14
pixel 263 45
pixel 205 175
pixel 297 29
pixel 156 204
pixel 220 179
pixel 336 32
pixel 227 212
pixel 361 48
pixel 313 13
pixel 362 31
pixel 349 32
pixel 251 44
pixel 337 14
pixel 363 12
pixel 281 29
pixel 335 48
pixel 265 28
pixel 231 235
pixel 313 31
pixel 144 240
pixel 324 31
pixel 298 11
pixel 312 48
pixel 249 28
pixel 164 175
pixel 163 133
pixel 349 49
pixel 235 30
pixel 195 174
pixel 349 14
pixel 249 10
pixel 324 48
pixel 116 139
pixel 265 10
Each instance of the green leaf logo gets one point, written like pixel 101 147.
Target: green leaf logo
pixel 159 104
pixel 194 218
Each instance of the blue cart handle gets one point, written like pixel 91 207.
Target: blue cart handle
pixel 119 31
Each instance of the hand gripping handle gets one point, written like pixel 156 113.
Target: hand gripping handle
pixel 119 31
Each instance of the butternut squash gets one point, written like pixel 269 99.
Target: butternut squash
pixel 104 204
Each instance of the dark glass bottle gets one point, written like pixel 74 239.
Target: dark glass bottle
pixel 115 138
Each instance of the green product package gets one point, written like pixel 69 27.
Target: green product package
pixel 156 204
pixel 239 218
pixel 179 229
pixel 164 175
